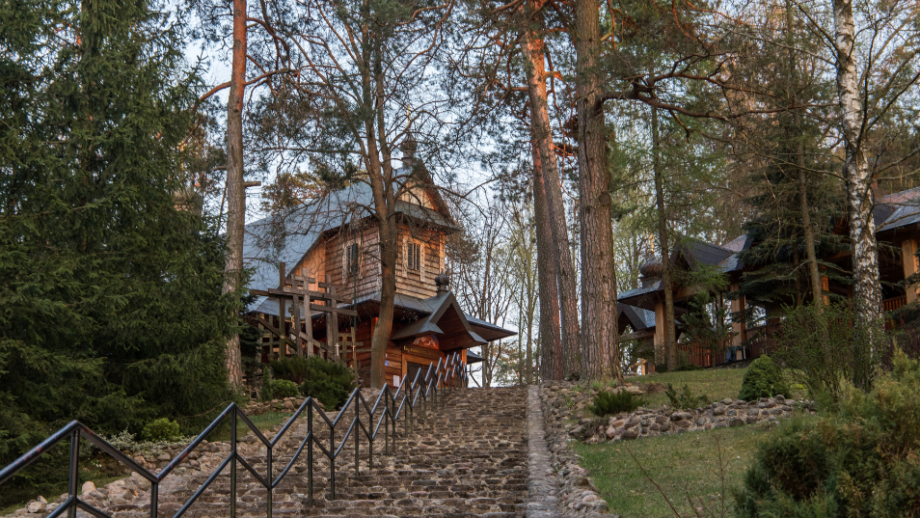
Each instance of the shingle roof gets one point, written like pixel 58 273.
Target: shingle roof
pixel 287 237
pixel 700 252
pixel 901 209
pixel 640 319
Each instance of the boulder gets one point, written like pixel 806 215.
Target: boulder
pixel 88 487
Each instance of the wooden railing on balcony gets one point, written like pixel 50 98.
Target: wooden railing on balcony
pixel 894 303
pixel 759 340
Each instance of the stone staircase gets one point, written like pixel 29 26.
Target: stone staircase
pixel 469 458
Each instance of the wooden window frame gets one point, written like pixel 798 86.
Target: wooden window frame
pixel 352 259
pixel 414 257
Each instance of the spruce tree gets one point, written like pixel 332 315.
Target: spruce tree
pixel 110 304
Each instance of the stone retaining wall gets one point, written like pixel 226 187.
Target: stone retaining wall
pixel 665 421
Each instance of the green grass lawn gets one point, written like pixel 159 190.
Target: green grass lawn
pixel 682 465
pixel 716 384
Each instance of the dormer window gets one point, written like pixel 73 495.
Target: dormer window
pixel 351 257
pixel 414 257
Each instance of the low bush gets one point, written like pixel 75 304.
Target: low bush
pixel 685 400
pixel 276 388
pixel 860 461
pixel 284 388
pixel 295 369
pixel 161 429
pixel 328 382
pixel 607 403
pixel 763 379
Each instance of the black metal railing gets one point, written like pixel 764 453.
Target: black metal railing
pixel 417 395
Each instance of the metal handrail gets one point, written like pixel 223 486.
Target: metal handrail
pixel 447 375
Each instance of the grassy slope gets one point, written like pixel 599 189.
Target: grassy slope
pixel 686 464
pixel 682 465
pixel 717 384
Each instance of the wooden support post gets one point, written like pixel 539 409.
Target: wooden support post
pixel 354 352
pixel 282 314
pixel 738 323
pixel 332 319
pixel 911 264
pixel 660 334
pixel 298 343
pixel 309 316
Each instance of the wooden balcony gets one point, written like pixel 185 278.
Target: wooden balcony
pixel 760 340
pixel 894 303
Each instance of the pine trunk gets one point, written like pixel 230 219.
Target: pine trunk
pixel 817 293
pixel 600 348
pixel 550 345
pixel 235 190
pixel 384 328
pixel 866 283
pixel 670 332
pixel 534 65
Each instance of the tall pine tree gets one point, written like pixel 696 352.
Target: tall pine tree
pixel 110 304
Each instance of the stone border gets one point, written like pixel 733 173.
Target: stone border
pixel 542 489
pixel 578 494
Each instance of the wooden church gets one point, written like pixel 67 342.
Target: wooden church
pixel 324 256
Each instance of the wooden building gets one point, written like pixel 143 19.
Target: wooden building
pixel 333 245
pixel 897 219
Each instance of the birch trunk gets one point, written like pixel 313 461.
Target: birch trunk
pixel 534 65
pixel 866 284
pixel 600 347
pixel 550 344
pixel 670 332
pixel 235 190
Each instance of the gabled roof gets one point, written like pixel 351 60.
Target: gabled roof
pixel 428 324
pixel 640 319
pixel 700 253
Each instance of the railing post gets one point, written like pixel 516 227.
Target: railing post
pixel 74 472
pixel 154 499
pixel 310 454
pixel 233 464
pixel 357 431
pixel 269 478
pixel 332 459
pixel 386 421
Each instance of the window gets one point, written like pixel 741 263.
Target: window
pixel 413 256
pixel 351 254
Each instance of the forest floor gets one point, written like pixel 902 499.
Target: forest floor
pixel 700 466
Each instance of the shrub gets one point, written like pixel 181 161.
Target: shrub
pixel 284 388
pixel 860 461
pixel 685 399
pixel 328 382
pixel 161 429
pixel 296 368
pixel 606 403
pixel 763 379
pixel 265 393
